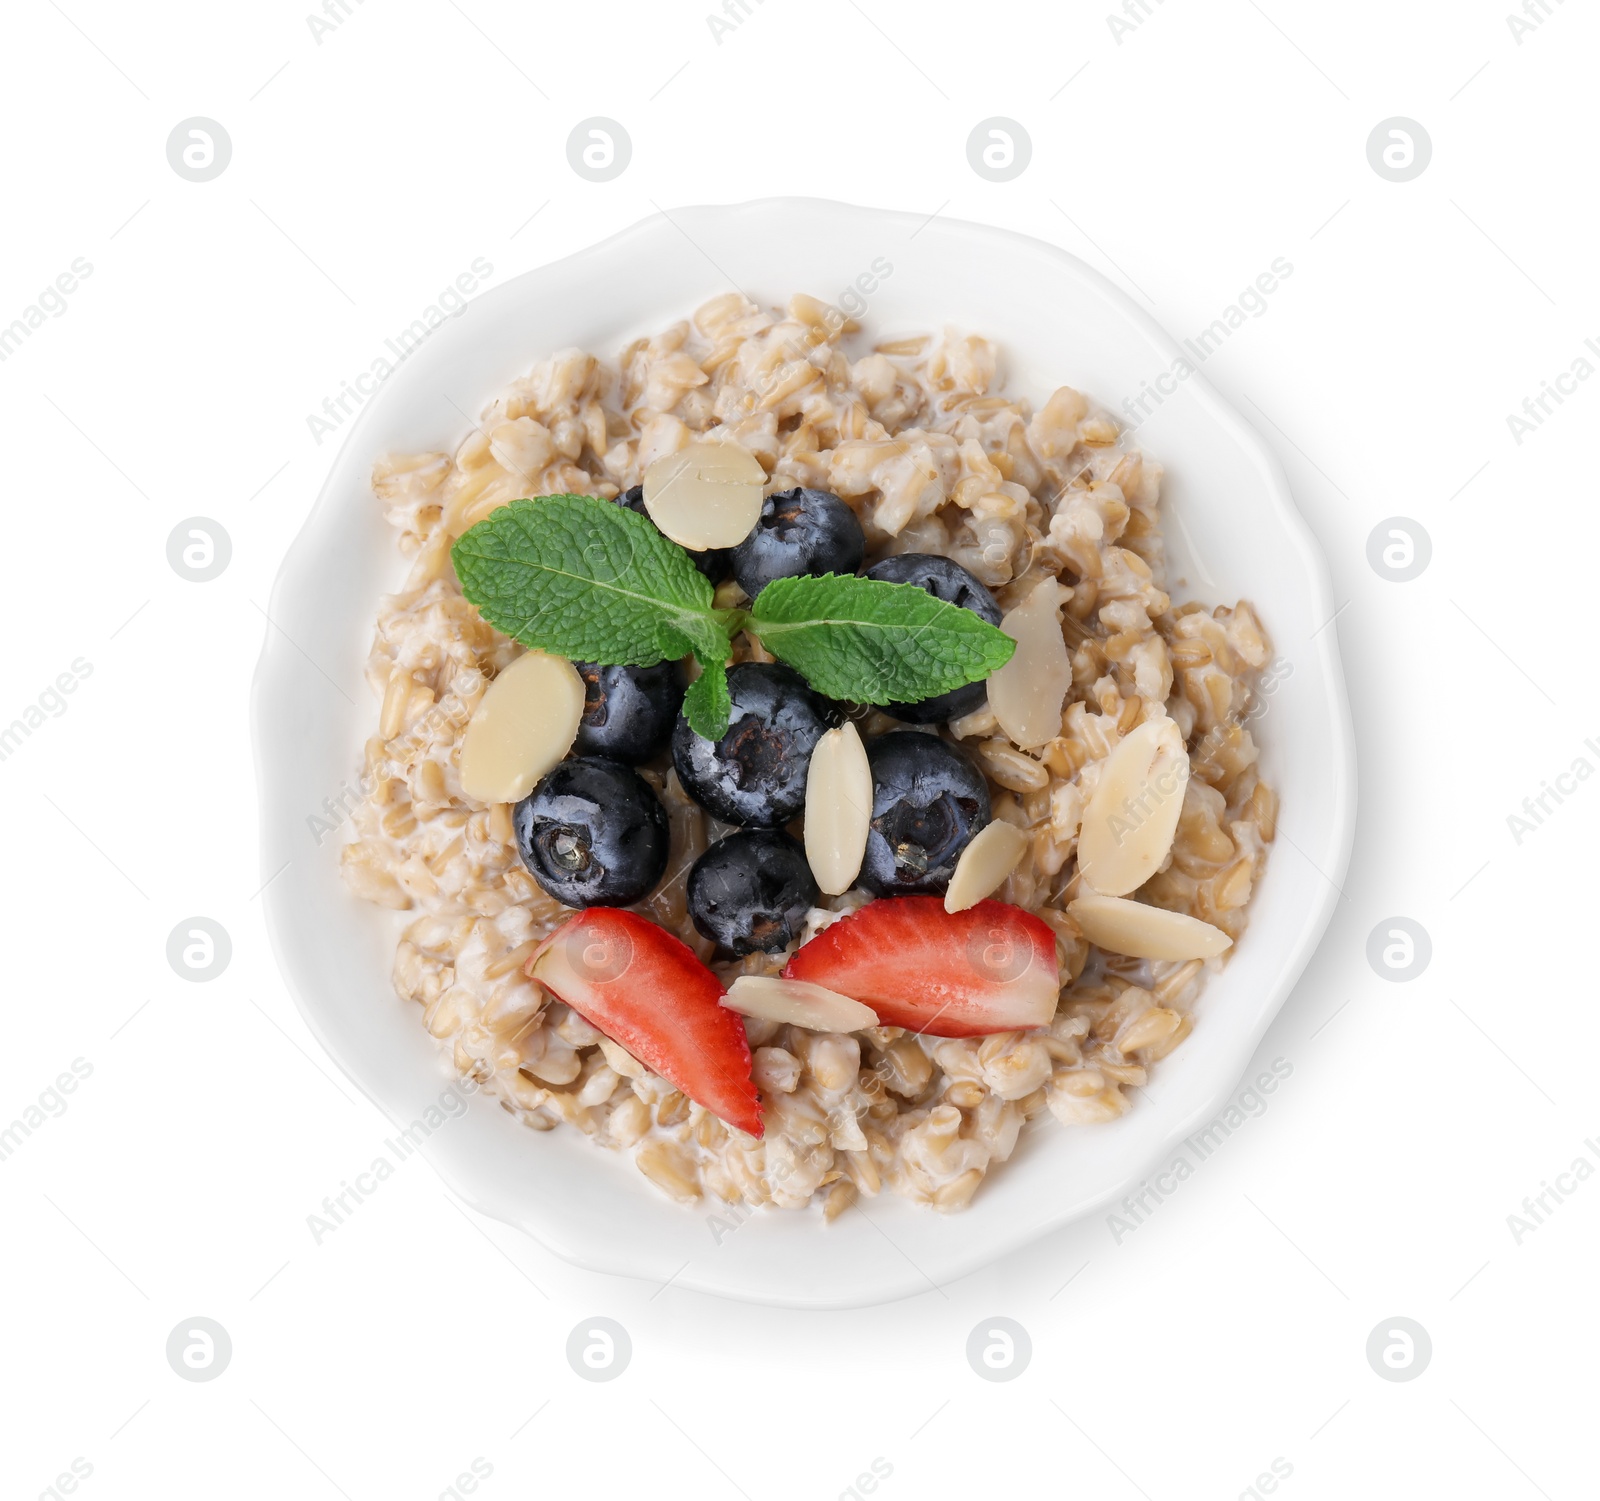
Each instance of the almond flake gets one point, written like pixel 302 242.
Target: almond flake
pixel 705 495
pixel 1027 693
pixel 1141 931
pixel 984 864
pixel 799 1003
pixel 838 809
pixel 1132 815
pixel 523 725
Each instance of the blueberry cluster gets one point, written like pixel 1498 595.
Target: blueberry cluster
pixel 594 832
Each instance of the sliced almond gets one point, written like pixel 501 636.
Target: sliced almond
pixel 1027 693
pixel 838 809
pixel 523 725
pixel 705 495
pixel 1132 815
pixel 984 864
pixel 1141 931
pixel 799 1003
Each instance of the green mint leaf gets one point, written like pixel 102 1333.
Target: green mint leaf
pixel 589 580
pixel 873 642
pixel 706 705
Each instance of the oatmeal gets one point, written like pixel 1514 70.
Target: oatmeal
pixel 1077 831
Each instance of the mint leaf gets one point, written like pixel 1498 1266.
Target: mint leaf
pixel 588 580
pixel 706 705
pixel 872 642
pixel 595 582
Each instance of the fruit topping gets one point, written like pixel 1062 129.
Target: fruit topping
pixel 944 579
pixel 756 773
pixel 648 993
pixel 928 801
pixel 799 531
pixel 989 969
pixel 628 712
pixel 593 833
pixel 752 891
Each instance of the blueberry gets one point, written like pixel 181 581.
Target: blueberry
pixel 628 712
pixel 755 774
pixel 752 891
pixel 714 562
pixel 593 834
pixel 928 800
pixel 800 531
pixel 949 581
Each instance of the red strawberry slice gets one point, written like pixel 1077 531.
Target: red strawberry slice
pixel 991 968
pixel 647 991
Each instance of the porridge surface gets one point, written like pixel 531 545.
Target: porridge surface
pixel 914 436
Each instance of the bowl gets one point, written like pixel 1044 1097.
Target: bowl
pixel 1232 532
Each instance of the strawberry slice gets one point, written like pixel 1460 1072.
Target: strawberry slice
pixel 991 968
pixel 647 991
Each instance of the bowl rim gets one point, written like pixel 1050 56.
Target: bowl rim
pixel 1340 793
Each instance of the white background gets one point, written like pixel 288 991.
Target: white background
pixel 368 170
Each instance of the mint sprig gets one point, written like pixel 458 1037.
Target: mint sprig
pixel 593 581
pixel 874 642
pixel 706 705
pixel 588 580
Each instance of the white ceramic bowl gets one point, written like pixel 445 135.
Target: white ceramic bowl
pixel 1232 531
